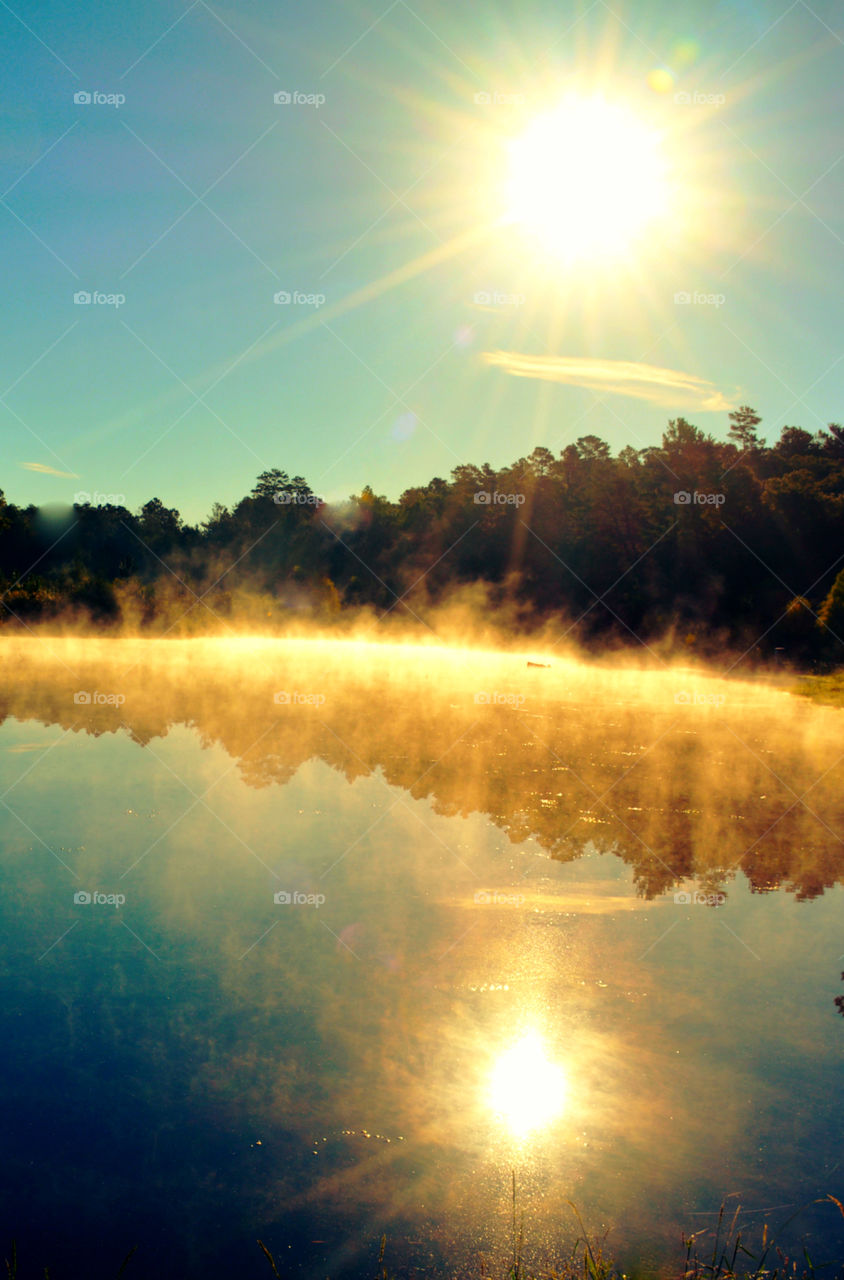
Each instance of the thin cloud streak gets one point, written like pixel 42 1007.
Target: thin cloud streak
pixel 667 387
pixel 44 470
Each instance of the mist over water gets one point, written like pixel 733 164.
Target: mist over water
pixel 397 920
pixel 679 771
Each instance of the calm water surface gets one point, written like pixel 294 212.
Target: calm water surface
pixel 371 928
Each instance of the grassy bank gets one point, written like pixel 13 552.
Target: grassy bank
pixel 719 1253
pixel 828 689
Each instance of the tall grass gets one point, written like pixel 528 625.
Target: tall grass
pixel 726 1257
pixel 730 1258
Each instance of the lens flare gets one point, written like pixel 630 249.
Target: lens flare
pixel 661 80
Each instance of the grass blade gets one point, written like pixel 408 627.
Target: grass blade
pixel 124 1264
pixel 270 1258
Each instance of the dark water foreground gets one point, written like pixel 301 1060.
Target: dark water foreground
pixel 317 942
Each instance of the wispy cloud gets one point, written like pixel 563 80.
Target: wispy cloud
pixel 666 387
pixel 44 470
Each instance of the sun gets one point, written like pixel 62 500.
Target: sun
pixel 526 1089
pixel 586 180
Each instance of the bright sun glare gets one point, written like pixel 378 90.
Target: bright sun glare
pixel 586 179
pixel 527 1090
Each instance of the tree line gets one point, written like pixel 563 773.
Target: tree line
pixel 714 543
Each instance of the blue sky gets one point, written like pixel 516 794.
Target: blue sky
pixel 378 210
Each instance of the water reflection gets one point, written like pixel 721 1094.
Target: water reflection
pixel 681 775
pixel 378 950
pixel 526 1089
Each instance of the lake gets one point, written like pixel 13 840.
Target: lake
pixel 315 942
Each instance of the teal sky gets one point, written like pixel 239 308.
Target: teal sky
pixel 199 198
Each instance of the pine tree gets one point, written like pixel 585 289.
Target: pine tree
pixel 742 432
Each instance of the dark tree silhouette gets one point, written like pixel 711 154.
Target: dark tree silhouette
pixel 731 542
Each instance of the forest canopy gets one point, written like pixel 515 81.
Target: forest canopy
pixel 733 543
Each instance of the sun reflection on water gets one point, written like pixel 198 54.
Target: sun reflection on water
pixel 526 1089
